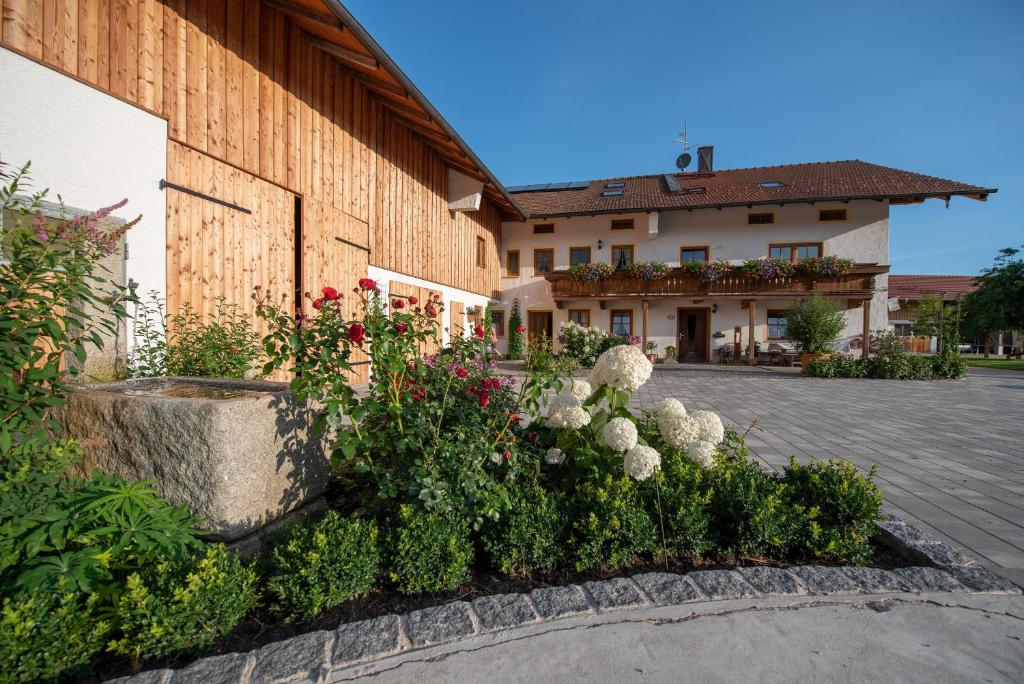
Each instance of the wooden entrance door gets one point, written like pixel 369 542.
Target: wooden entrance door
pixel 692 332
pixel 540 323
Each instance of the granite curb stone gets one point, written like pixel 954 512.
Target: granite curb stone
pixel 305 657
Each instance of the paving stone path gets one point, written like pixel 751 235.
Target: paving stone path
pixel 950 454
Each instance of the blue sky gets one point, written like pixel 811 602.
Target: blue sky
pixel 560 91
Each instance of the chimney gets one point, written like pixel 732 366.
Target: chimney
pixel 705 156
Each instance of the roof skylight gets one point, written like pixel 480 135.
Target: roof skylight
pixel 772 184
pixel 612 193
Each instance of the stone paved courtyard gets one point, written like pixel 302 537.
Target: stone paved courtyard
pixel 950 455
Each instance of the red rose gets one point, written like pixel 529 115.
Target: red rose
pixel 514 417
pixel 484 398
pixel 356 333
pixel 317 303
pixel 413 300
pixel 330 294
pixel 430 310
pixel 520 329
pixel 436 297
pixel 397 303
pixel 257 287
pixel 461 373
pixel 367 283
pixel 232 350
pixel 479 332
pixel 532 437
pixel 507 454
pixel 401 327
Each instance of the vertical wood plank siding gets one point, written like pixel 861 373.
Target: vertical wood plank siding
pixel 258 108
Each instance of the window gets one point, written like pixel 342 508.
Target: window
pixel 796 251
pixel 580 317
pixel 579 255
pixel 760 219
pixel 622 255
pixel 481 252
pixel 622 224
pixel 693 254
pixel 622 322
pixel 612 193
pixel 498 321
pixel 543 260
pixel 772 184
pixel 903 329
pixel 542 228
pixel 778 328
pixel 512 263
pixel 831 214
pixel 615 184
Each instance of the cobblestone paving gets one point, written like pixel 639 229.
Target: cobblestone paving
pixel 950 455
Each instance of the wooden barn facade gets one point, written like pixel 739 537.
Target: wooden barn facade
pixel 296 153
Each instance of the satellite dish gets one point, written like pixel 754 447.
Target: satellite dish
pixel 683 160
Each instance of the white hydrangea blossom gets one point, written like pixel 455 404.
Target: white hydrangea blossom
pixel 577 388
pixel 623 368
pixel 703 453
pixel 641 462
pixel 670 408
pixel 566 411
pixel 554 456
pixel 619 434
pixel 678 431
pixel 496 458
pixel 710 425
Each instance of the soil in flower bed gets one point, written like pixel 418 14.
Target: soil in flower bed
pixel 263 627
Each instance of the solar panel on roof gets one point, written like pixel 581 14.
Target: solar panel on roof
pixel 559 186
pixel 615 185
pixel 579 185
pixel 546 187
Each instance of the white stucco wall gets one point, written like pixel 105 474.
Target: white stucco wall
pixel 863 237
pixel 93 150
pixel 448 294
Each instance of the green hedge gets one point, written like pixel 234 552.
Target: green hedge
pixel 428 552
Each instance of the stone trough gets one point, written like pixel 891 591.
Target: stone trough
pixel 237 452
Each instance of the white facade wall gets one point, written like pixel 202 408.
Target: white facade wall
pixel 658 236
pixel 93 150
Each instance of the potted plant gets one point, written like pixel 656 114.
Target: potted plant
pixel 814 324
pixel 670 354
pixel 651 355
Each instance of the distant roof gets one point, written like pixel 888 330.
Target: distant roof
pixel 948 287
pixel 788 183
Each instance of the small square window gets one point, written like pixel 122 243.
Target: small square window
pixel 693 254
pixel 807 252
pixel 622 323
pixel 832 215
pixel 778 327
pixel 579 255
pixel 543 260
pixel 543 228
pixel 903 329
pixel 580 317
pixel 622 224
pixel 783 252
pixel 622 255
pixel 512 263
pixel 760 219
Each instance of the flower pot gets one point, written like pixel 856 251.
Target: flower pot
pixel 652 357
pixel 807 358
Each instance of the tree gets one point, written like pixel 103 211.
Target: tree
pixel 815 324
pixel 515 337
pixel 998 303
pixel 935 319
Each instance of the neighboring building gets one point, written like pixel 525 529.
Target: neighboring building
pixel 270 143
pixel 793 211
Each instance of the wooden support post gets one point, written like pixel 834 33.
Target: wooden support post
pixel 751 355
pixel 866 352
pixel 643 318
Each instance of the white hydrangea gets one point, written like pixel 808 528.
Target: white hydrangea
pixel 496 458
pixel 710 426
pixel 623 368
pixel 678 431
pixel 619 434
pixel 577 388
pixel 703 453
pixel 554 456
pixel 670 408
pixel 566 411
pixel 641 462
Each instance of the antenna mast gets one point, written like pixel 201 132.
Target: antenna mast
pixel 684 159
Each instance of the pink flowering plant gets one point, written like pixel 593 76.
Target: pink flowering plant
pixel 440 431
pixel 824 266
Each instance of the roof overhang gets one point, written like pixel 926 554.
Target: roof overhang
pixel 328 26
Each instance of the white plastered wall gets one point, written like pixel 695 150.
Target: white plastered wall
pixel 93 150
pixel 863 237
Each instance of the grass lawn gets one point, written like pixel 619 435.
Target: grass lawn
pixel 1015 364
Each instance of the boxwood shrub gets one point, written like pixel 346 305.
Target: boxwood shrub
pixel 529 535
pixel 611 524
pixel 683 500
pixel 428 551
pixel 318 566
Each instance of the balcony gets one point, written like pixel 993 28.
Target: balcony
pixel 858 283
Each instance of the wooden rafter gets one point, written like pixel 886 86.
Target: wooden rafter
pixel 340 52
pixel 300 11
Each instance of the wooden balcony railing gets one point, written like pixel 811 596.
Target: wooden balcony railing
pixel 860 282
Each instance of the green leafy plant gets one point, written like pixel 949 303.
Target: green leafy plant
pixel 814 324
pixel 844 503
pixel 682 504
pixel 321 565
pixel 610 524
pixel 583 345
pixel 515 333
pixel 590 273
pixel 47 633
pixel 223 344
pixel 184 605
pixel 428 552
pixel 528 536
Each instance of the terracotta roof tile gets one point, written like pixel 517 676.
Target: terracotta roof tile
pixel 949 287
pixel 737 187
